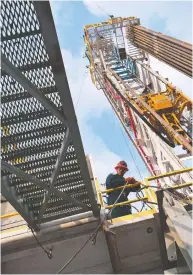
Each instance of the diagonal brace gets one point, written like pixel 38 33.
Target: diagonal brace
pixel 14 170
pixel 16 203
pixel 48 31
pixel 55 173
pixel 23 81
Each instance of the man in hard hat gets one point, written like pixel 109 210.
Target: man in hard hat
pixel 117 180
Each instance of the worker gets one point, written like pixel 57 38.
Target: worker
pixel 117 180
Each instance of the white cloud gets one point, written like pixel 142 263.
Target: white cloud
pixel 63 18
pixel 92 101
pixel 93 8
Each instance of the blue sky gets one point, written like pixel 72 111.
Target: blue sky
pixel 100 130
pixel 70 31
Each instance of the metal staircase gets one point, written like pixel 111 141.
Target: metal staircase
pixel 44 170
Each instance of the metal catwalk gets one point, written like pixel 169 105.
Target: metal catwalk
pixel 45 175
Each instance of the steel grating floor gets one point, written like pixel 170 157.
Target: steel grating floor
pixel 31 135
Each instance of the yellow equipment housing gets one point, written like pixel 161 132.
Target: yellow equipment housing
pixel 159 102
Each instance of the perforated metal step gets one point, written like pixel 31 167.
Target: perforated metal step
pixel 31 134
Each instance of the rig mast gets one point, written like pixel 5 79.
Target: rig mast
pixel 156 115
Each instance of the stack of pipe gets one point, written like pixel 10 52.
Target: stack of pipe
pixel 173 52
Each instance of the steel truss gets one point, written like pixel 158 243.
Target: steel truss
pixel 113 75
pixel 124 79
pixel 45 175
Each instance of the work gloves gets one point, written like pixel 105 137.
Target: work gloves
pixel 130 180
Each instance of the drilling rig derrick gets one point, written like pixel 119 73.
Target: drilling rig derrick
pixel 150 108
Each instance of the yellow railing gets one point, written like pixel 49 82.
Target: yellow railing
pixel 150 195
pixel 169 174
pixel 176 172
pixel 99 194
pixel 110 22
pixel 127 202
pixel 121 187
pixel 179 186
pixel 9 215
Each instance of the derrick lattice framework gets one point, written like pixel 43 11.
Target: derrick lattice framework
pixel 156 115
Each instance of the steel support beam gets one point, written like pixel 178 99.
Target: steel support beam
pixel 111 241
pixel 184 157
pixel 153 150
pixel 182 267
pixel 12 169
pixel 24 82
pixel 180 224
pixel 110 74
pixel 9 193
pixel 175 219
pixel 55 173
pixel 48 31
pixel 161 239
pixel 113 251
pixel 162 230
pixel 117 112
pixel 91 173
pixel 10 37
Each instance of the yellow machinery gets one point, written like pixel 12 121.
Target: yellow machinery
pixel 114 58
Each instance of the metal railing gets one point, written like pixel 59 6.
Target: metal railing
pixel 147 198
pixel 150 195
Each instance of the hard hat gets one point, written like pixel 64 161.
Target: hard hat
pixel 122 164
